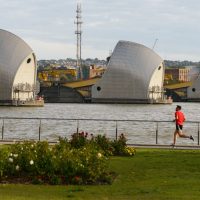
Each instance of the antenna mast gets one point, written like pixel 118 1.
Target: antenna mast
pixel 78 33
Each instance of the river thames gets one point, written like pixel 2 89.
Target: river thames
pixel 136 132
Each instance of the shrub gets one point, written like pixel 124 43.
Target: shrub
pixel 119 145
pixel 104 143
pixel 55 180
pixel 79 139
pixel 129 151
pixel 4 154
pixel 81 160
pixel 58 164
pixel 93 164
pixel 21 159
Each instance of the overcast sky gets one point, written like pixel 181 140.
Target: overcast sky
pixel 48 26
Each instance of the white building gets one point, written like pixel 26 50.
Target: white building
pixel 134 74
pixel 17 69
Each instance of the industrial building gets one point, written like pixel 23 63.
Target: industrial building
pixel 134 74
pixel 61 94
pixel 72 92
pixel 178 74
pixel 17 71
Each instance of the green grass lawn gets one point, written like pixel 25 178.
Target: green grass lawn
pixel 151 174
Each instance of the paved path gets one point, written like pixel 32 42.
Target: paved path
pixel 152 146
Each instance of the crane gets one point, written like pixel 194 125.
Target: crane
pixel 154 43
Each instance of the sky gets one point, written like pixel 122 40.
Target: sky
pixel 48 26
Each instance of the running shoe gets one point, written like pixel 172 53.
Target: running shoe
pixel 191 138
pixel 172 145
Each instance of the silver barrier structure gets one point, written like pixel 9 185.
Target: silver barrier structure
pixel 78 120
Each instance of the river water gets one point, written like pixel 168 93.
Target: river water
pixel 136 132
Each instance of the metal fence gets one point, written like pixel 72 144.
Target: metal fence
pixel 136 131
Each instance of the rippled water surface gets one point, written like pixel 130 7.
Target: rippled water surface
pixel 136 132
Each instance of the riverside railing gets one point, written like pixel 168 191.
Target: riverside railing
pixel 157 131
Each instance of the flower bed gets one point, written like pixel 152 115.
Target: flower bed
pixel 81 160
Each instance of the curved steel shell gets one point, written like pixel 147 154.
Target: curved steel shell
pixel 13 52
pixel 132 70
pixel 193 92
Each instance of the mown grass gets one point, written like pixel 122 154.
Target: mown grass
pixel 151 174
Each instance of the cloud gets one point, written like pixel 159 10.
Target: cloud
pixel 55 50
pixel 95 24
pixel 51 50
pixel 51 23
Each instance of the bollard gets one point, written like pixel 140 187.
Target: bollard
pixel 157 133
pixel 77 129
pixel 40 130
pixel 2 130
pixel 116 131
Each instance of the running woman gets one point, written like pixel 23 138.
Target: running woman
pixel 179 119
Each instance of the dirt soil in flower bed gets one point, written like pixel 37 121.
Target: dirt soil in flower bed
pixel 47 181
pixel 16 180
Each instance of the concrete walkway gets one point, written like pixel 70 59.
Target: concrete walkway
pixel 152 146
